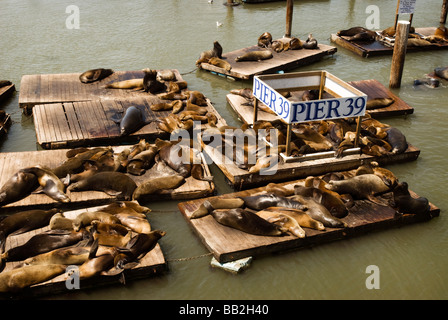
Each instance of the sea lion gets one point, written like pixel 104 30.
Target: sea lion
pixel 353 31
pixel 85 218
pixel 247 221
pixel 41 243
pixel 109 228
pixel 150 82
pixel 263 201
pixel 141 162
pixel 111 240
pixel 295 44
pixel 136 84
pixel 51 185
pixel 125 206
pixel 59 221
pixel 407 204
pixel 206 55
pixel 177 157
pixel 257 55
pixel 278 190
pixel 441 72
pixel 113 183
pixel 277 46
pixel 220 63
pixel 134 119
pixel 282 220
pixel 312 94
pixel 397 140
pixel 24 221
pixel 302 218
pixel 377 103
pixel 361 187
pixel 155 185
pixel 310 43
pixel 137 223
pixel 93 75
pixel 96 264
pixel 264 40
pixel 216 203
pixel 17 279
pixel 373 167
pixel 18 187
pixel 429 82
pixel 138 247
pixel 166 75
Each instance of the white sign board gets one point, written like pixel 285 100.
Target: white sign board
pixel 406 6
pixel 346 106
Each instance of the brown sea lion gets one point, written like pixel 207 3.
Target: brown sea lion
pixel 85 218
pixel 113 183
pixel 303 219
pixel 155 185
pixel 137 223
pixel 166 75
pixel 206 55
pixel 263 201
pixel 373 168
pixel 277 217
pixel 141 162
pixel 18 187
pixel 247 221
pixel 312 94
pixel 220 63
pixel 110 228
pixel 278 190
pixel 136 84
pixel 97 264
pixel 353 31
pixel 264 40
pixel 406 204
pixel 51 185
pixel 93 75
pixel 111 240
pixel 216 203
pixel 277 46
pixel 24 221
pixel 257 55
pixel 125 206
pixel 377 103
pixel 150 82
pixel 17 279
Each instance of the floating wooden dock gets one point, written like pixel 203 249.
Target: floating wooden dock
pixel 11 162
pixel 372 88
pixel 282 61
pixel 153 263
pixel 228 244
pixel 6 92
pixel 376 48
pixel 241 179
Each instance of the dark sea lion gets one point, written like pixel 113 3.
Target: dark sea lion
pixel 134 119
pixel 17 279
pixel 441 72
pixel 51 185
pixel 113 183
pixel 264 40
pixel 155 185
pixel 175 156
pixel 138 247
pixel 85 218
pixel 246 221
pixel 397 140
pixel 24 221
pixel 429 82
pixel 41 243
pixel 312 94
pixel 407 204
pixel 220 63
pixel 93 75
pixel 216 203
pixel 150 82
pixel 206 55
pixel 19 186
pixel 257 55
pixel 295 44
pixel 282 220
pixel 310 43
pixel 263 201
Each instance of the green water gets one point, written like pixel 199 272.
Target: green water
pixel 132 35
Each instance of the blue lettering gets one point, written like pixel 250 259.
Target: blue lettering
pixel 266 96
pixel 308 111
pixel 318 109
pixel 296 112
pixel 333 109
pixel 256 86
pixel 273 98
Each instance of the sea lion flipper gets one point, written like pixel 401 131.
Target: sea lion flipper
pixel 93 249
pixel 111 192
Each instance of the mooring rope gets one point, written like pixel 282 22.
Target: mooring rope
pixel 182 74
pixel 189 258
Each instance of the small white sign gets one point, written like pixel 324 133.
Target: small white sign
pixel 406 6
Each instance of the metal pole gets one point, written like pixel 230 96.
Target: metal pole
pixel 289 9
pixel 401 41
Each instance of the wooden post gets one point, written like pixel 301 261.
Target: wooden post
pixel 396 15
pixel 358 130
pixel 288 140
pixel 289 9
pixel 401 41
pixel 444 12
pixel 255 110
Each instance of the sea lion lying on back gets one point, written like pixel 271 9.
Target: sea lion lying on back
pixel 93 75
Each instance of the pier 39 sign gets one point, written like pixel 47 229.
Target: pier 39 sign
pixel 350 102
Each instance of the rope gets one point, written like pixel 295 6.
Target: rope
pixel 182 74
pixel 190 258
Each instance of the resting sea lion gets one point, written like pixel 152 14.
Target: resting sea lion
pixel 134 118
pixel 125 206
pixel 255 56
pixel 397 140
pixel 377 103
pixel 407 204
pixel 97 264
pixel 154 185
pixel 312 94
pixel 310 43
pixel 60 222
pixel 220 63
pixel 24 221
pixel 85 218
pixel 16 279
pixel 216 203
pixel 277 217
pixel 206 55
pixel 136 84
pixel 137 223
pixel 19 186
pixel 143 161
pixel 113 183
pixel 264 40
pixel 246 221
pixel 166 75
pixel 93 75
pixel 442 72
pixel 51 185
pixel 263 201
pixel 150 82
pixel 110 228
pixel 111 240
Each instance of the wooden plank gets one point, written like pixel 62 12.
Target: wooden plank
pixel 279 62
pixel 6 92
pixel 228 244
pixel 153 263
pixel 73 122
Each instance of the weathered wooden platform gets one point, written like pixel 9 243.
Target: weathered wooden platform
pixel 241 179
pixel 376 48
pixel 153 263
pixel 373 89
pixel 11 162
pixel 282 61
pixel 6 92
pixel 228 244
